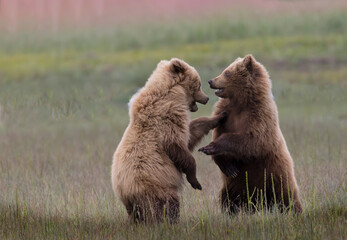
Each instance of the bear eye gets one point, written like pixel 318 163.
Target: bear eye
pixel 227 74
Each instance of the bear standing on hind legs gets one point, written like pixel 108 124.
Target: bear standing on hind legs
pixel 249 147
pixel 155 148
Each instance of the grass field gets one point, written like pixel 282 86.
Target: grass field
pixel 63 110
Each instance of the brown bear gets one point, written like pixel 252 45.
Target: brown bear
pixel 154 150
pixel 249 147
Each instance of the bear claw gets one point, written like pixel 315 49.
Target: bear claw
pixel 195 183
pixel 208 150
pixel 198 186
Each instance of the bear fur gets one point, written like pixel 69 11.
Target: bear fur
pixel 154 151
pixel 249 147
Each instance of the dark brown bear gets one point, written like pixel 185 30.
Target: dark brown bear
pixel 249 147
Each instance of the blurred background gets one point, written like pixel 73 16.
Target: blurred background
pixel 69 68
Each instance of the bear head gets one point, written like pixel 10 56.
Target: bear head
pixel 243 81
pixel 188 78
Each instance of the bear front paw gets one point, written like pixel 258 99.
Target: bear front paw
pixel 223 116
pixel 209 149
pixel 220 119
pixel 194 183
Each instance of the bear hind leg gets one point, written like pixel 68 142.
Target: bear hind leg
pixel 154 210
pixel 135 213
pixel 173 210
pixel 297 203
pixel 167 210
pixel 228 205
pixel 143 211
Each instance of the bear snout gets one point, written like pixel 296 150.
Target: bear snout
pixel 212 84
pixel 201 97
pixel 204 100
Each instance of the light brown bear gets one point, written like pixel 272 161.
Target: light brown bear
pixel 249 147
pixel 155 148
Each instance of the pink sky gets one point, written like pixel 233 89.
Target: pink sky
pixel 56 14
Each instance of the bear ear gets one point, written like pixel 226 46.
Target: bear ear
pixel 249 61
pixel 177 66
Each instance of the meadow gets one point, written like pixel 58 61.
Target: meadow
pixel 63 110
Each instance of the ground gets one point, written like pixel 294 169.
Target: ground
pixel 63 110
